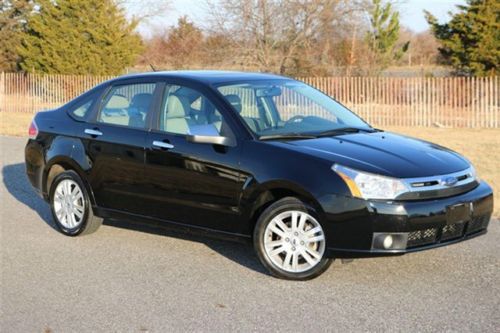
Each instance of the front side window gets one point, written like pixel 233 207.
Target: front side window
pixel 281 107
pixel 127 105
pixel 188 112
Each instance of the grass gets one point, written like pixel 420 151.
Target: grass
pixel 481 146
pixel 15 123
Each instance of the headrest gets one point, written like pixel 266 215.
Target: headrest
pixel 142 101
pixel 235 101
pixel 175 107
pixel 117 102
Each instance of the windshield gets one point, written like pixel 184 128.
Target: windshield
pixel 288 108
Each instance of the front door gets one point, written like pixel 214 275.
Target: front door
pixel 192 183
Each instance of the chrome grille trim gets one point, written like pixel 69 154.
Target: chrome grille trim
pixel 436 183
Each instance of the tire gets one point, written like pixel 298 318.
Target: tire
pixel 292 253
pixel 72 213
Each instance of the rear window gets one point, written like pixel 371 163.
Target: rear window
pixel 127 105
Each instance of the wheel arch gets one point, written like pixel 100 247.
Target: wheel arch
pixel 60 164
pixel 267 193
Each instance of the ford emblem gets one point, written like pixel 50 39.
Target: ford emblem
pixel 449 181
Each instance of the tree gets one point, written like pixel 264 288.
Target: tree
pixel 273 35
pixel 78 37
pixel 383 36
pixel 340 39
pixel 13 18
pixel 423 50
pixel 470 42
pixel 180 46
pixel 184 43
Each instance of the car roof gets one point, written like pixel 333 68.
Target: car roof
pixel 206 76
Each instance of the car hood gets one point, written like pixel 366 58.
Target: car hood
pixel 385 153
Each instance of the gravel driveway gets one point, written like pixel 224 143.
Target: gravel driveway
pixel 126 280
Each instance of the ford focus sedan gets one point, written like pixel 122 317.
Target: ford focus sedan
pixel 254 156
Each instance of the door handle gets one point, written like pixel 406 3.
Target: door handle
pixel 93 132
pixel 162 145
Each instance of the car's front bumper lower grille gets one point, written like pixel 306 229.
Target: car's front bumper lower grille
pixel 452 231
pixel 448 232
pixel 422 237
pixel 477 224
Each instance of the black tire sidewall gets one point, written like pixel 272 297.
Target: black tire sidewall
pixel 272 211
pixel 71 175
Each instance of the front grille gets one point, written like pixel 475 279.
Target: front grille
pixel 438 193
pixel 448 232
pixel 451 231
pixel 477 224
pixel 422 237
pixel 439 186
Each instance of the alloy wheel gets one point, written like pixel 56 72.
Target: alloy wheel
pixel 294 241
pixel 69 204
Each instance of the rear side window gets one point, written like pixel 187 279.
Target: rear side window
pixel 127 105
pixel 82 109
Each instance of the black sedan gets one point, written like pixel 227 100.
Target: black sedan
pixel 256 156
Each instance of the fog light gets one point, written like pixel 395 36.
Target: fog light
pixel 388 242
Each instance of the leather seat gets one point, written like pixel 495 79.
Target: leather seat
pixel 138 109
pixel 176 120
pixel 235 101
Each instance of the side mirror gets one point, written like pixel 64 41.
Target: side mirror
pixel 212 140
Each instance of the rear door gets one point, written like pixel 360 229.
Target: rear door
pixel 192 183
pixel 115 144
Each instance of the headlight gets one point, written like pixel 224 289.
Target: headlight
pixel 473 174
pixel 370 186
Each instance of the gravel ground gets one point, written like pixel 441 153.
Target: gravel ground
pixel 126 280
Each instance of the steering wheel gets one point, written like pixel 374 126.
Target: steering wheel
pixel 295 119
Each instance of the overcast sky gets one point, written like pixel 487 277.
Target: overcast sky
pixel 412 15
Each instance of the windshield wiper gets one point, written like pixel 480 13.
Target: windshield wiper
pixel 332 132
pixel 286 136
pixel 344 130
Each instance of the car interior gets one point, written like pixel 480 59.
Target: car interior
pixel 186 111
pixel 128 106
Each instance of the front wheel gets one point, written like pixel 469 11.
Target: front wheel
pixel 290 241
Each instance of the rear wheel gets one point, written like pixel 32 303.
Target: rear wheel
pixel 290 241
pixel 70 205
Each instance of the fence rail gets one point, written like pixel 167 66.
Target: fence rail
pixel 382 101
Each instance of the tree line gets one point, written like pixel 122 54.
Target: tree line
pixel 291 37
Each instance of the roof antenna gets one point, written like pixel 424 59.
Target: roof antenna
pixel 153 67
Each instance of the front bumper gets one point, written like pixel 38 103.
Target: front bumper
pixel 352 225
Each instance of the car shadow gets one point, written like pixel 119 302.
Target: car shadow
pixel 240 252
pixel 16 183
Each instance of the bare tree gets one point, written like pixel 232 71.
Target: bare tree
pixel 293 37
pixel 278 35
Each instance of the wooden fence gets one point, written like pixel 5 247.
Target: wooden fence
pixel 382 101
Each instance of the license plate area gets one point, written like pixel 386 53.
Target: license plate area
pixel 458 213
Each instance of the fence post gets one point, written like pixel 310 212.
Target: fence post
pixel 413 101
pixel 2 92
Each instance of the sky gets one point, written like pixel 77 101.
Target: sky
pixel 411 12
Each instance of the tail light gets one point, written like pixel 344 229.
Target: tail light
pixel 33 130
